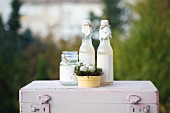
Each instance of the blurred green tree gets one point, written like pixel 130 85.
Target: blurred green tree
pixel 6 72
pixel 52 57
pixel 145 55
pixel 27 38
pixel 13 26
pixel 14 22
pixel 1 24
pixel 31 50
pixel 112 13
pixel 42 67
pixel 10 61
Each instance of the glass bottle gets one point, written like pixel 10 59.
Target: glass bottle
pixel 105 53
pixel 69 60
pixel 86 51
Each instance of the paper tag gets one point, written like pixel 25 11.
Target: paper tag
pixel 87 30
pixel 105 32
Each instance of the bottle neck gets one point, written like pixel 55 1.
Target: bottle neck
pixel 87 39
pixel 105 41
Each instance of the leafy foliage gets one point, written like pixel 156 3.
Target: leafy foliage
pixel 9 62
pixel 14 23
pixel 112 12
pixel 145 54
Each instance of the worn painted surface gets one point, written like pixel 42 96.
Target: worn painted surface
pixel 106 99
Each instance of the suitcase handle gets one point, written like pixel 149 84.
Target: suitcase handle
pixel 134 99
pixel 44 98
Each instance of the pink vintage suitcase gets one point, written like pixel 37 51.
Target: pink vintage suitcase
pixel 121 97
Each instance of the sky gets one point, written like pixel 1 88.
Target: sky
pixel 65 18
pixel 39 21
pixel 5 9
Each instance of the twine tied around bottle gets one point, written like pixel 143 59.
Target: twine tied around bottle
pixel 104 31
pixel 87 29
pixel 103 26
pixel 66 60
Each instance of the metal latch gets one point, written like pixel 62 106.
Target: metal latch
pixel 139 108
pixel 43 106
pixel 134 99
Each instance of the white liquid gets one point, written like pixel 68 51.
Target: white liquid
pixel 86 58
pixel 106 63
pixel 86 52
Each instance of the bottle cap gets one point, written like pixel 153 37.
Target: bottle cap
pixel 87 27
pixel 104 22
pixel 104 30
pixel 86 23
pixel 68 56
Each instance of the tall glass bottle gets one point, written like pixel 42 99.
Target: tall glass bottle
pixel 86 51
pixel 105 53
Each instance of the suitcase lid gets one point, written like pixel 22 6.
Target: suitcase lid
pixel 119 92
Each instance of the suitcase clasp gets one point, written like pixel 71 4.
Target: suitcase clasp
pixel 40 108
pixel 134 99
pixel 43 106
pixel 44 98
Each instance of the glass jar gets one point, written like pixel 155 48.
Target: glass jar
pixel 69 60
